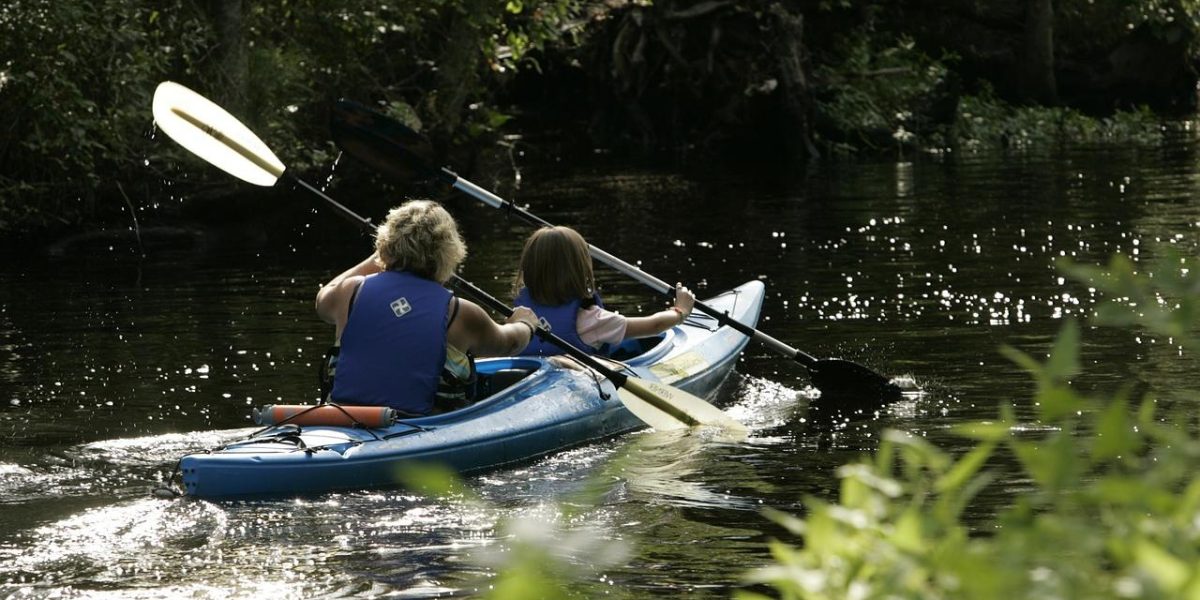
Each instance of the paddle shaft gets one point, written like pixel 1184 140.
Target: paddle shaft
pixel 649 280
pixel 219 138
pixel 459 283
pixel 377 139
pixel 619 379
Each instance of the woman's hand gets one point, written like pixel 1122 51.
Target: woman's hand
pixel 522 314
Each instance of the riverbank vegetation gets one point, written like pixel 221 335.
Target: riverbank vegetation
pixel 1112 493
pixel 665 80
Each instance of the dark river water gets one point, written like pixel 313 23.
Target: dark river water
pixel 113 365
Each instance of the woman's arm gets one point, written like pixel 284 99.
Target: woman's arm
pixel 333 299
pixel 475 332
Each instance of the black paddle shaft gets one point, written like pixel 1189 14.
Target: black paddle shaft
pixel 378 140
pixel 834 376
pixel 475 293
pixel 633 271
pixel 619 379
pixel 485 298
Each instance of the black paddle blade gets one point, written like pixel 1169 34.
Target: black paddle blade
pixel 845 379
pixel 383 143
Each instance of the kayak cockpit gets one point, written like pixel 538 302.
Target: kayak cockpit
pixel 495 378
pixel 496 375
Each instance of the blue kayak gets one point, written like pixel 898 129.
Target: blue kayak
pixel 537 407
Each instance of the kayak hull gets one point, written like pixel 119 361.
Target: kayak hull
pixel 551 408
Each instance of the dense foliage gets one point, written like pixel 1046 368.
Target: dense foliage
pixel 668 78
pixel 76 80
pixel 75 84
pixel 1114 498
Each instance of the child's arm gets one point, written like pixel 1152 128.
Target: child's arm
pixel 638 327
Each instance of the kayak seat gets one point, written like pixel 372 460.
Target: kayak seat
pixel 506 377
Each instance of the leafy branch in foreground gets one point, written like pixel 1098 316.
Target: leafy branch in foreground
pixel 537 555
pixel 1112 508
pixel 1164 299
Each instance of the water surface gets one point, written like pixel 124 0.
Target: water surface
pixel 112 365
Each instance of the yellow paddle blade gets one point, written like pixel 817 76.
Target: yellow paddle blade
pixel 209 132
pixel 665 408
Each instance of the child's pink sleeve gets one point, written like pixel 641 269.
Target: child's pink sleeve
pixel 597 326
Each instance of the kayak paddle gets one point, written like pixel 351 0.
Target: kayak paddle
pixel 390 147
pixel 211 133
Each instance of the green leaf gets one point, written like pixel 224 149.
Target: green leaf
pixel 965 468
pixel 406 114
pixel 1115 435
pixel 782 552
pixel 1121 490
pixel 1190 499
pixel 1168 571
pixel 792 523
pixel 917 450
pixel 1056 402
pixel 1052 464
pixel 907 533
pixel 863 474
pixel 497 119
pixel 1146 411
pixel 432 480
pixel 1064 357
pixel 1023 360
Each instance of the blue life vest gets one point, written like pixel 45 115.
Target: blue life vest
pixel 560 320
pixel 394 344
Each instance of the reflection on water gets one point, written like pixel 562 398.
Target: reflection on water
pixel 112 366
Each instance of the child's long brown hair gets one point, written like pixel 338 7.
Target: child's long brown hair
pixel 556 267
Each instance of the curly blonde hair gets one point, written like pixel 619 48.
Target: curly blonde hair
pixel 419 236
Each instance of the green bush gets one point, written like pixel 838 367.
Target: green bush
pixel 983 121
pixel 75 91
pixel 1115 497
pixel 76 82
pixel 870 96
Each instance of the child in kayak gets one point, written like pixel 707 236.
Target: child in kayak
pixel 401 337
pixel 555 280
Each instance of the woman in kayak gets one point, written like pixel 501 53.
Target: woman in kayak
pixel 556 281
pixel 400 334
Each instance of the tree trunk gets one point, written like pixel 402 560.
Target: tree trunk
pixel 460 64
pixel 230 64
pixel 797 97
pixel 1037 69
